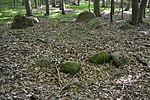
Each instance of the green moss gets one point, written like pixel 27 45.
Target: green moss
pixel 126 26
pixel 100 57
pixel 44 63
pixel 70 67
pixel 119 59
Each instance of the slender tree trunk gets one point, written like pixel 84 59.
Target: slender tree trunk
pixel 89 5
pixel 0 2
pixel 14 2
pixel 23 2
pixel 47 7
pixel 103 3
pixel 62 7
pixel 134 19
pixel 112 11
pixel 141 10
pixel 40 3
pixel 78 2
pixel 122 8
pixel 128 6
pixel 149 5
pixel 36 4
pixel 28 8
pixel 97 8
pixel 112 7
pixel 53 3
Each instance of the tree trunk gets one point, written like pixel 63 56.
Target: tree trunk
pixel 128 6
pixel 36 4
pixel 23 2
pixel 14 2
pixel 112 11
pixel 47 7
pixel 0 2
pixel 78 2
pixel 28 8
pixel 122 9
pixel 53 3
pixel 141 10
pixel 89 5
pixel 62 7
pixel 134 19
pixel 112 7
pixel 39 3
pixel 97 8
pixel 103 3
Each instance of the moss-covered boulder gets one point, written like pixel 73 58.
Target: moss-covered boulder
pixel 85 17
pixel 21 21
pixel 71 67
pixel 94 23
pixel 119 59
pixel 43 62
pixel 100 57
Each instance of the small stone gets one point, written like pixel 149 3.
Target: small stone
pixel 119 59
pixel 71 67
pixel 116 72
pixel 44 62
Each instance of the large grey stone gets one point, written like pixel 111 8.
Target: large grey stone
pixel 85 17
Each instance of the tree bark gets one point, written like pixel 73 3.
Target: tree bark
pixel 53 3
pixel 0 2
pixel 47 7
pixel 103 3
pixel 28 8
pixel 36 4
pixel 134 19
pixel 122 9
pixel 89 5
pixel 97 8
pixel 39 3
pixel 112 7
pixel 128 6
pixel 78 2
pixel 112 11
pixel 141 10
pixel 23 2
pixel 62 7
pixel 14 2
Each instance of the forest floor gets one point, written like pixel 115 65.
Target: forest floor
pixel 59 40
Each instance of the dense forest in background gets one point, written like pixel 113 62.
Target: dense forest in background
pixel 9 8
pixel 74 49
